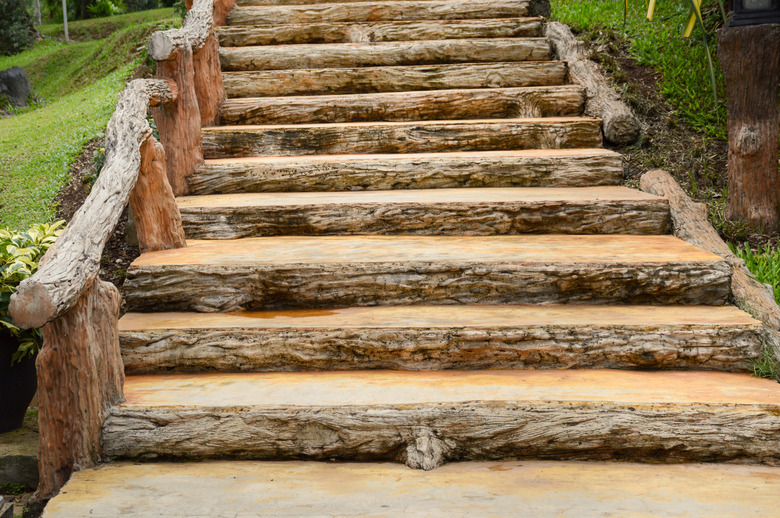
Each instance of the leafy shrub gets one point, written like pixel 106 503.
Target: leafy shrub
pixel 763 263
pixel 16 28
pixel 103 8
pixel 20 253
pixel 142 5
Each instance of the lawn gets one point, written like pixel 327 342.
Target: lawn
pixel 78 85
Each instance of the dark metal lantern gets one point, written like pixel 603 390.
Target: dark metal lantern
pixel 754 12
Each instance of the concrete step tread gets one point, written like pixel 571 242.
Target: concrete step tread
pixel 467 489
pixel 517 249
pixel 466 196
pixel 236 35
pixel 447 317
pixel 403 388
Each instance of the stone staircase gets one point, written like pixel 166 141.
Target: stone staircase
pixel 407 244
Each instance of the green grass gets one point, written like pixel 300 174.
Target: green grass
pixel 659 44
pixel 99 28
pixel 763 263
pixel 79 84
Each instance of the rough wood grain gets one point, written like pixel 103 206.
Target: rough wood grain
pixel 80 375
pixel 379 31
pixel 478 346
pixel 475 212
pixel 750 62
pixel 406 106
pixel 401 137
pixel 161 91
pixel 197 27
pixel 691 224
pixel 207 76
pixel 179 123
pixel 620 124
pixel 552 168
pixel 390 53
pixel 388 10
pixel 465 422
pixel 156 216
pixel 535 7
pixel 393 79
pixel 74 261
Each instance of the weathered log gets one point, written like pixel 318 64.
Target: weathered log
pixel 401 137
pixel 387 10
pixel 691 224
pixel 517 168
pixel 620 124
pixel 80 376
pixel 74 260
pixel 750 60
pixel 393 79
pixel 209 88
pixel 373 415
pixel 482 103
pixel 535 7
pixel 571 336
pixel 155 213
pixel 390 53
pixel 379 31
pixel 179 123
pixel 343 271
pixel 474 212
pixel 161 91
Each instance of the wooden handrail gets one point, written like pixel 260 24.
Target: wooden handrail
pixel 74 260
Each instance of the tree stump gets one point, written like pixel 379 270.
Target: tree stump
pixel 750 61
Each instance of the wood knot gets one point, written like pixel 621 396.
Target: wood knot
pixel 748 142
pixel 426 451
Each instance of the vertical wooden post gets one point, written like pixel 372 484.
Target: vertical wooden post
pixel 152 203
pixel 208 80
pixel 80 375
pixel 179 122
pixel 750 60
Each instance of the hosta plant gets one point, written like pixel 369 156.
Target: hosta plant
pixel 20 253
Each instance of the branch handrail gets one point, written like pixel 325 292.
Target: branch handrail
pixel 198 25
pixel 74 260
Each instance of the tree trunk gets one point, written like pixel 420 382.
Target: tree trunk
pixel 37 13
pixel 750 61
pixel 80 375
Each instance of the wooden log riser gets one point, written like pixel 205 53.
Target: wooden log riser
pixel 379 32
pixel 416 172
pixel 482 219
pixel 80 375
pixel 393 79
pixel 406 138
pixel 231 288
pixel 531 347
pixel 659 432
pixel 179 123
pixel 406 106
pixel 154 209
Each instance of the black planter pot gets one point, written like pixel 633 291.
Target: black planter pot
pixel 18 384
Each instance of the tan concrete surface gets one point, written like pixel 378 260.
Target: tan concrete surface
pixel 436 249
pixel 448 316
pixel 473 489
pixel 384 387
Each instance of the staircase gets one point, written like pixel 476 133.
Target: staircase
pixel 407 244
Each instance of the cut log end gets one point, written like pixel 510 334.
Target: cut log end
pixel 31 306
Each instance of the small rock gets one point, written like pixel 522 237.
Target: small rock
pixel 15 86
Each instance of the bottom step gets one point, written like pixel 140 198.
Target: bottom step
pixel 474 489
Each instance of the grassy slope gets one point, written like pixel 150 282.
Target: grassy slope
pixel 79 83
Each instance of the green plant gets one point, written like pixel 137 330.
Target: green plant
pixel 16 28
pixel 103 8
pixel 767 366
pixel 20 253
pixel 763 263
pixel 12 488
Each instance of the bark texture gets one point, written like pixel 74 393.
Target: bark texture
pixel 74 260
pixel 691 224
pixel 620 124
pixel 393 79
pixel 229 288
pixel 80 376
pixel 379 31
pixel 156 216
pixel 750 61
pixel 389 10
pixel 406 137
pixel 313 173
pixel 652 432
pixel 179 123
pixel 393 53
pixel 483 347
pixel 435 218
pixel 209 88
pixel 407 106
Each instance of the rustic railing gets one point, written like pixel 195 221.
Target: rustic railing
pixel 80 371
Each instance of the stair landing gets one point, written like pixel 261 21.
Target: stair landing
pixel 473 489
